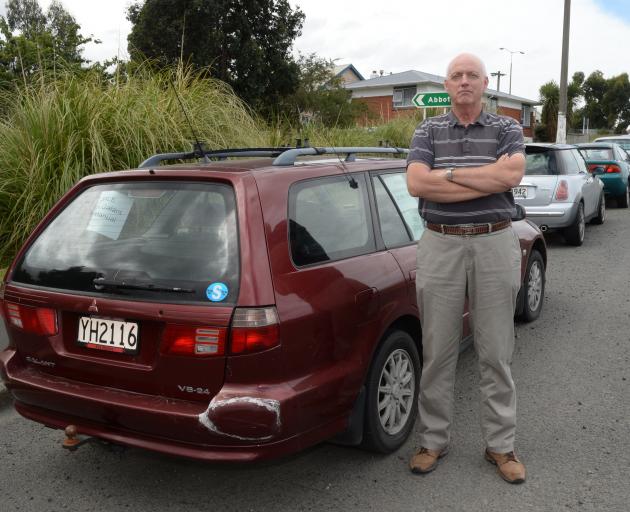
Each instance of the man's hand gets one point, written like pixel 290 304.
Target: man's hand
pixel 433 185
pixel 468 182
pixel 499 176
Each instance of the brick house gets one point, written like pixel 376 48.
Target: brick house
pixel 389 97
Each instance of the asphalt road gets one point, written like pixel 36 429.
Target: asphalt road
pixel 572 373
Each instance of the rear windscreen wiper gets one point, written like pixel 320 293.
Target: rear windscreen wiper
pixel 101 282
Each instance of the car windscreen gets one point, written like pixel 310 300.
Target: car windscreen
pixel 539 163
pixel 597 153
pixel 156 241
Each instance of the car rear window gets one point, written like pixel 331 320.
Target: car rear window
pixel 162 241
pixel 597 153
pixel 540 163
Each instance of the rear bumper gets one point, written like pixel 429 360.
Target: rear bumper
pixel 614 185
pixel 239 424
pixel 554 216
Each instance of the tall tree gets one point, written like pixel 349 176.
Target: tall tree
pixel 550 98
pixel 245 43
pixel 320 95
pixel 607 101
pixel 31 40
pixel 616 102
pixel 594 89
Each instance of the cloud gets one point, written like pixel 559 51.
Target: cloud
pixel 425 35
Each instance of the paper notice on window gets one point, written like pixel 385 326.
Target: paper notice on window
pixel 110 214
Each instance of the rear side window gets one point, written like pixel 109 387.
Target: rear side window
pixel 393 228
pixel 540 163
pixel 407 205
pixel 329 220
pixel 574 161
pixel 166 241
pixel 597 153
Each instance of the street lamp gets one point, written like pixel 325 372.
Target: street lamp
pixel 511 53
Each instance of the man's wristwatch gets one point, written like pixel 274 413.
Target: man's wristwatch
pixel 449 173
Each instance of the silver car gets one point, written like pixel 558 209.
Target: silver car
pixel 558 192
pixel 622 140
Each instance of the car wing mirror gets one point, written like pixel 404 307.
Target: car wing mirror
pixel 518 213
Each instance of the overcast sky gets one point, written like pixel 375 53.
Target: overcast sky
pixel 425 34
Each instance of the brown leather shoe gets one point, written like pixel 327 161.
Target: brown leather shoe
pixel 425 460
pixel 508 466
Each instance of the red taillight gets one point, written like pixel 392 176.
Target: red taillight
pixel 185 340
pixel 610 168
pixel 253 330
pixel 42 321
pixel 562 190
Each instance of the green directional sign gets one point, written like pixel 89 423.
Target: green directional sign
pixel 431 99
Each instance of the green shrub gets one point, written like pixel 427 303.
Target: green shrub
pixel 59 130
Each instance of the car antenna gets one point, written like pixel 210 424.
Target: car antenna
pixel 206 160
pixel 351 181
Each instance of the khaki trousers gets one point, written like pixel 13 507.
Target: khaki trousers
pixel 487 270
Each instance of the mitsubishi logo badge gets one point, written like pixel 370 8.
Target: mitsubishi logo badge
pixel 93 307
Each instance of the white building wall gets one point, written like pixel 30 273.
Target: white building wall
pixel 372 92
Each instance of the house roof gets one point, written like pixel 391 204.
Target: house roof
pixel 413 77
pixel 339 70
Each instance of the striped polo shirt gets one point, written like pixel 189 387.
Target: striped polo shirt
pixel 442 141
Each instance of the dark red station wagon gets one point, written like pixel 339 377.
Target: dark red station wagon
pixel 229 310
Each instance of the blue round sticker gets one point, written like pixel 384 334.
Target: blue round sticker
pixel 216 292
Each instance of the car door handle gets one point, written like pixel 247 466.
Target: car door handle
pixel 367 302
pixel 364 296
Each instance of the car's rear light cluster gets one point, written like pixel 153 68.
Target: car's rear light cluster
pixel 609 168
pixel 562 190
pixel 254 329
pixel 184 340
pixel 42 321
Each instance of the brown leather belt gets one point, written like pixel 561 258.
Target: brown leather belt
pixel 468 229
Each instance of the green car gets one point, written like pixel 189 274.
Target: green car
pixel 611 163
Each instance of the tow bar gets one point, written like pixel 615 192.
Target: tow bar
pixel 72 442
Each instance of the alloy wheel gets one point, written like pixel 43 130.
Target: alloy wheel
pixel 396 391
pixel 534 286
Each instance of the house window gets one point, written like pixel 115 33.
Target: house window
pixel 526 115
pixel 403 96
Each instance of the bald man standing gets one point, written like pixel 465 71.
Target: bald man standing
pixel 462 166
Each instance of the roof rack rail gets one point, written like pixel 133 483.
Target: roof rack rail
pixel 284 156
pixel 289 156
pixel 219 154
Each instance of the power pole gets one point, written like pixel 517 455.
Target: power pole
pixel 498 74
pixel 561 133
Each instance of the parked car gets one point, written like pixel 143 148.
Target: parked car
pixel 611 164
pixel 622 140
pixel 232 310
pixel 558 192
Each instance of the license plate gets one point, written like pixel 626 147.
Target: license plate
pixel 110 335
pixel 519 192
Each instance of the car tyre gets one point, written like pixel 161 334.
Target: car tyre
pixel 623 200
pixel 574 234
pixel 392 386
pixel 533 289
pixel 601 211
